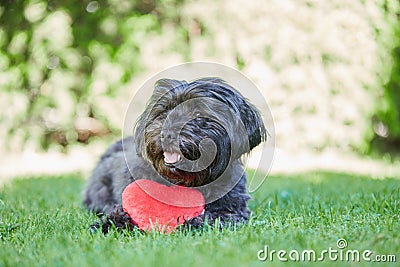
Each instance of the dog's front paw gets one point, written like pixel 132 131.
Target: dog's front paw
pixel 198 222
pixel 195 222
pixel 118 218
pixel 220 220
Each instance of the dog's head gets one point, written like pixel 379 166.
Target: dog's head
pixel 191 132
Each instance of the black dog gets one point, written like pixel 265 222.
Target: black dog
pixel 190 134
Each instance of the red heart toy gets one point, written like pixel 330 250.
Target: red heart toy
pixel 153 206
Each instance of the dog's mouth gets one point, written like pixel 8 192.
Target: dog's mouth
pixel 171 158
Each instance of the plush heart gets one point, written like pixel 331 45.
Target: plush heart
pixel 153 206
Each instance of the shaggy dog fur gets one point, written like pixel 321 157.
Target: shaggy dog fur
pixel 191 134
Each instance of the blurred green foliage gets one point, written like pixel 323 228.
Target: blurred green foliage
pixel 386 120
pixel 64 65
pixel 58 57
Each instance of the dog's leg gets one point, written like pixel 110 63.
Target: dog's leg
pixel 214 216
pixel 118 218
pixel 229 210
pixel 216 219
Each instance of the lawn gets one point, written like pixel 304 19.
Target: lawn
pixel 43 223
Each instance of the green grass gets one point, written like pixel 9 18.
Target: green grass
pixel 42 223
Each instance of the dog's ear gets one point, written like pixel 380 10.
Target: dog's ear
pixel 249 115
pixel 253 123
pixel 138 134
pixel 251 119
pixel 162 99
pixel 161 87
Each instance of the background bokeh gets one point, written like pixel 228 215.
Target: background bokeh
pixel 330 70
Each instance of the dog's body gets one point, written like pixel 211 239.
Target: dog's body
pixel 191 134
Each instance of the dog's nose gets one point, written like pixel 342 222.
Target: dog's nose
pixel 167 136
